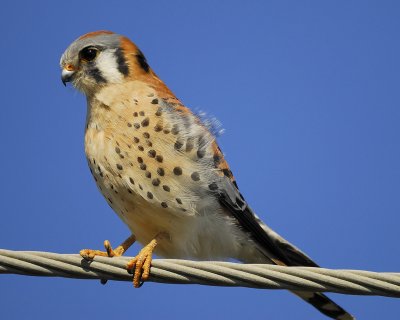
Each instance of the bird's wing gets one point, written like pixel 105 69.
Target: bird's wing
pixel 283 251
pixel 280 250
pixel 221 183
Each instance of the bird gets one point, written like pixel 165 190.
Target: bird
pixel 159 167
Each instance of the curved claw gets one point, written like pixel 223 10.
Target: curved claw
pixel 140 265
pixel 89 254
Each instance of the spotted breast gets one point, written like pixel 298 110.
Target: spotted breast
pixel 156 164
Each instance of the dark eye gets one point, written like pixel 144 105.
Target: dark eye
pixel 88 54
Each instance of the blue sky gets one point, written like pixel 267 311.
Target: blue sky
pixel 308 92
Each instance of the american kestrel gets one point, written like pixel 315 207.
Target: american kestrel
pixel 159 167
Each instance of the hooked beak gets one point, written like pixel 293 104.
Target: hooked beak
pixel 67 74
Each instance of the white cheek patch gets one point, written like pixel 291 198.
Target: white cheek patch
pixel 107 64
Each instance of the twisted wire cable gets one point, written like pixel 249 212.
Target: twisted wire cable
pixel 261 276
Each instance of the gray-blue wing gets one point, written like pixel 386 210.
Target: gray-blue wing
pixel 283 251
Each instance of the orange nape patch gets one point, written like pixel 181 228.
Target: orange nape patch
pixel 95 33
pixel 128 46
pixel 135 59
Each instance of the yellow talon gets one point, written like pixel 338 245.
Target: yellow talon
pixel 89 254
pixel 141 264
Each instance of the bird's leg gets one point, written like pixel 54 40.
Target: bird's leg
pixel 110 252
pixel 141 264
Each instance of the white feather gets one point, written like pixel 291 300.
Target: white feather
pixel 107 64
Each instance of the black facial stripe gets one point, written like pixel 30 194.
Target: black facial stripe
pixel 122 66
pixel 95 73
pixel 142 61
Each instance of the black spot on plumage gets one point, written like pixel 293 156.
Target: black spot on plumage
pixel 177 171
pixel 96 74
pixel 159 112
pixel 151 153
pixel 145 122
pixel 158 127
pixel 154 101
pixel 141 59
pixel 122 65
pixel 195 176
pixel 201 153
pixel 227 173
pixel 178 144
pixel 164 205
pixel 213 186
pixel 217 160
pixel 161 172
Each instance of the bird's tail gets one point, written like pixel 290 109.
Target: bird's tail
pixel 282 252
pixel 295 257
pixel 276 249
pixel 324 305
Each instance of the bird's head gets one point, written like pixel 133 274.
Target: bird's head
pixel 100 58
